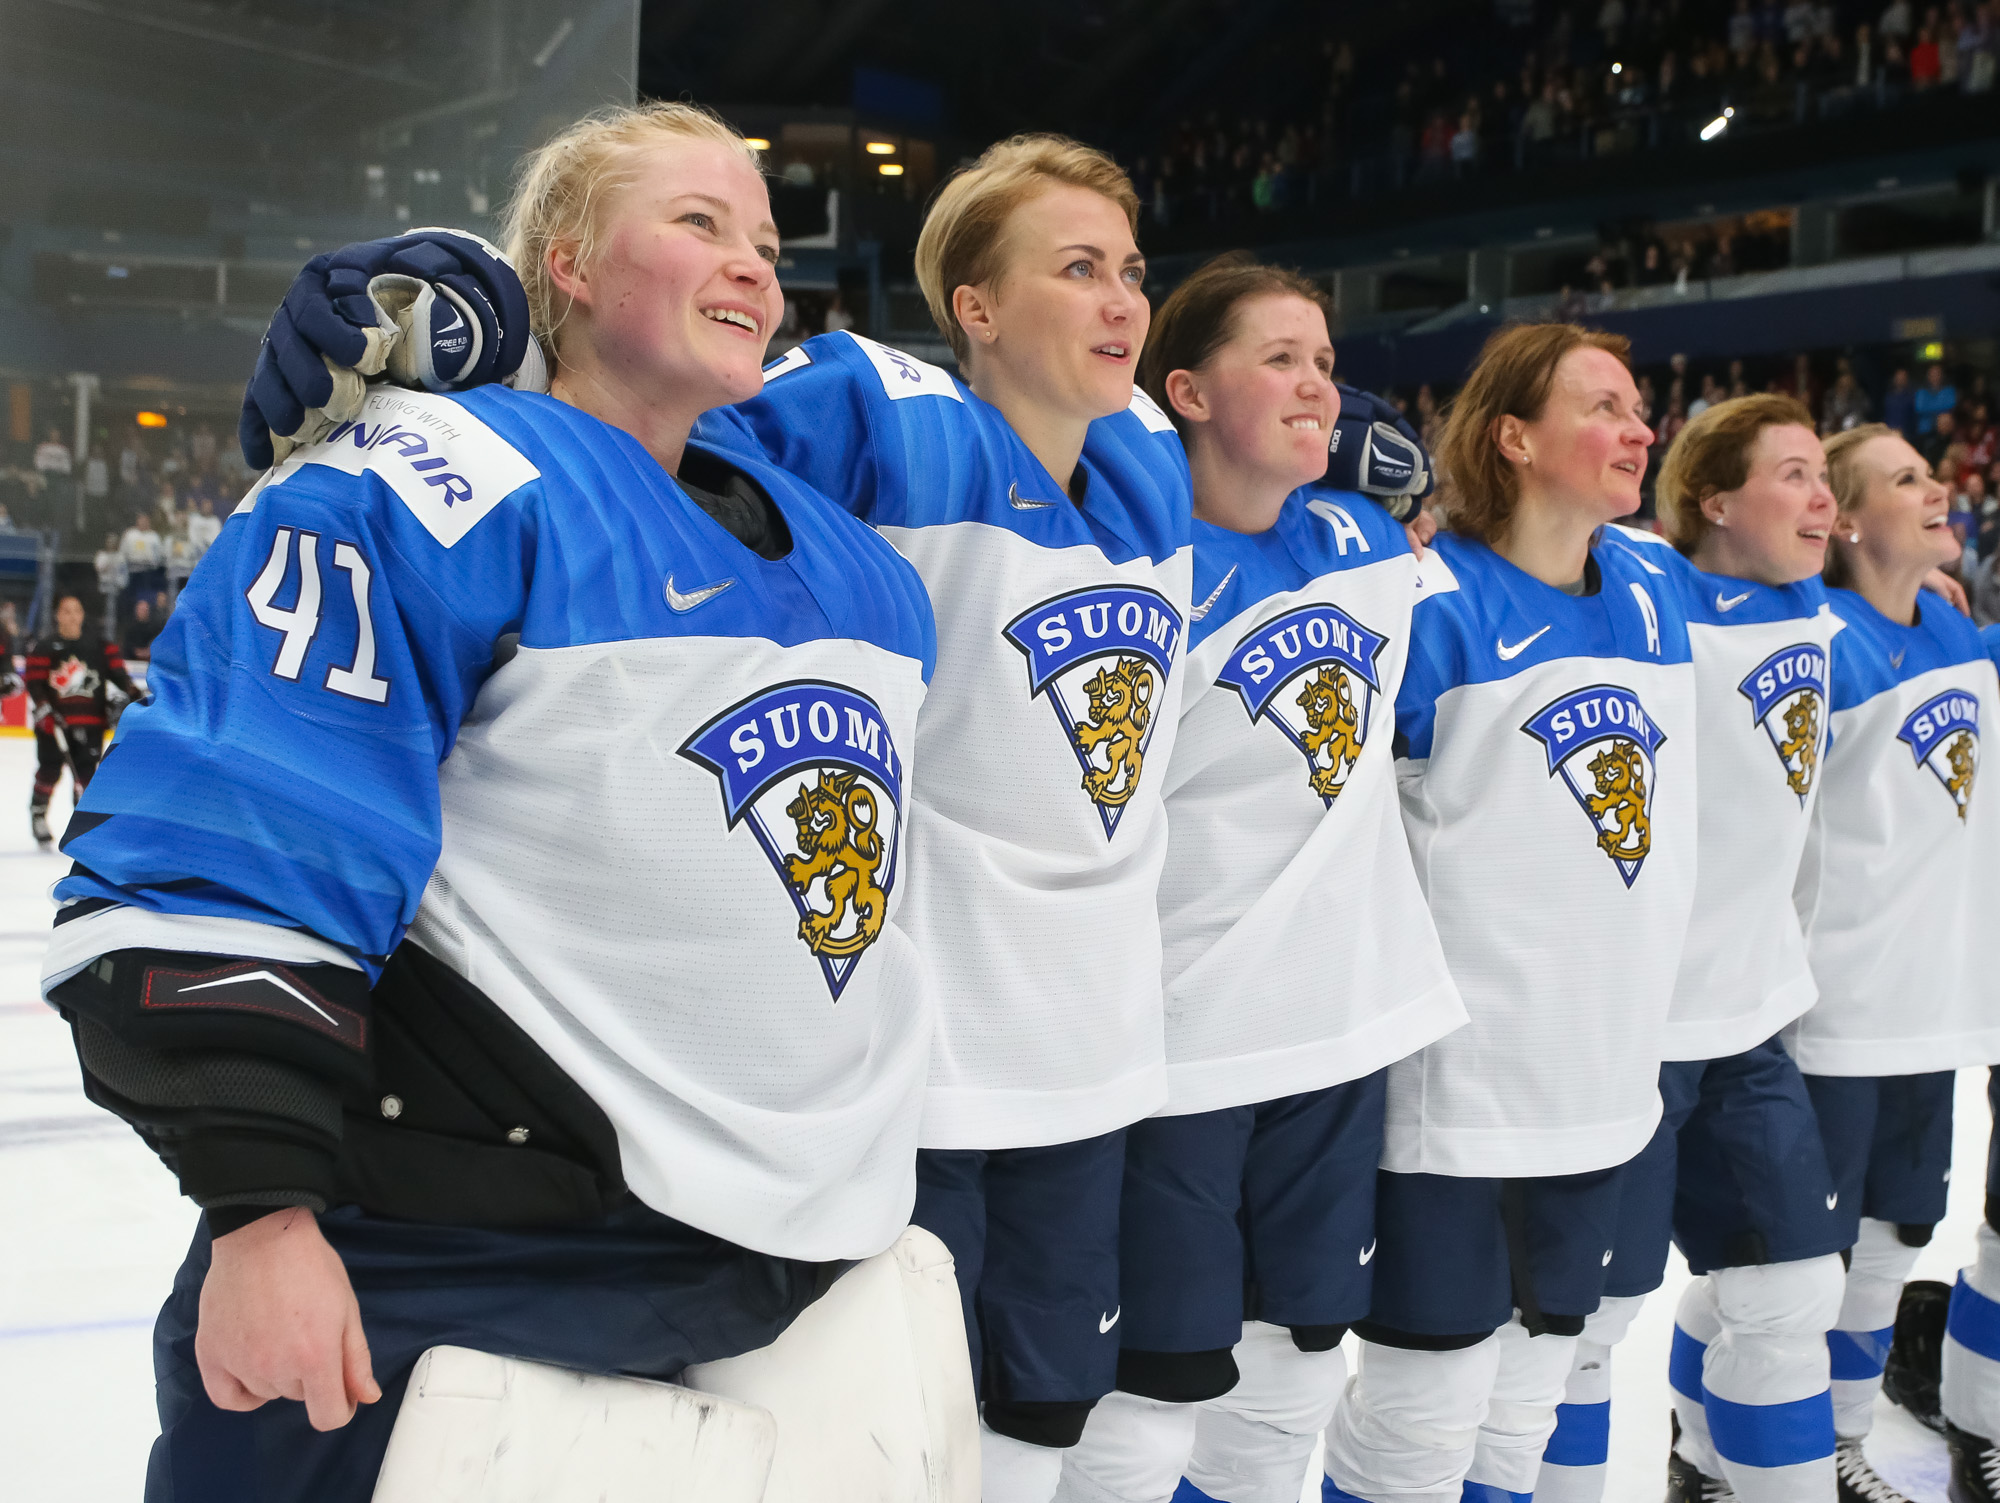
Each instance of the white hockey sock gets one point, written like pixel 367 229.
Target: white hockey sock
pixel 1971 1395
pixel 1534 1370
pixel 1012 1471
pixel 1133 1451
pixel 1859 1343
pixel 1406 1427
pixel 1765 1378
pixel 1579 1452
pixel 1697 1323
pixel 1254 1443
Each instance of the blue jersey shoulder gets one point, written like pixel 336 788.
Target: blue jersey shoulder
pixel 1319 531
pixel 1874 654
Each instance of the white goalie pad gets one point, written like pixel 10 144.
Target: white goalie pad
pixel 871 1387
pixel 476 1428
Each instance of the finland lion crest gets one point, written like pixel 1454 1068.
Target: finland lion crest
pixel 1311 672
pixel 1101 658
pixel 1788 698
pixel 1604 745
pixel 811 769
pixel 1943 735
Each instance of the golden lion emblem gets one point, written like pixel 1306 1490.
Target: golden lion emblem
pixel 1621 796
pixel 1333 728
pixel 1801 742
pixel 1964 767
pixel 841 848
pixel 1121 707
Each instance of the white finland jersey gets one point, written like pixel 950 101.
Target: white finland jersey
pixel 1299 952
pixel 1908 852
pixel 1762 676
pixel 1037 830
pixel 664 835
pixel 1548 791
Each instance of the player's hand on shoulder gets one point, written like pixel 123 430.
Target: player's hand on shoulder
pixel 436 308
pixel 279 1321
pixel 1374 450
pixel 1940 583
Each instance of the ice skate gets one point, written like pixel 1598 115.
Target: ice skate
pixel 1686 1483
pixel 1911 1375
pixel 1856 1481
pixel 38 821
pixel 1975 1467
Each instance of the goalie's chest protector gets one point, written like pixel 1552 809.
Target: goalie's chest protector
pixel 1037 825
pixel 1548 782
pixel 1763 694
pixel 1299 952
pixel 1905 844
pixel 674 824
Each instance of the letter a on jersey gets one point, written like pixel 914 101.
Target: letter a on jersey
pixel 1603 744
pixel 1101 657
pixel 810 768
pixel 1323 661
pixel 1787 694
pixel 1943 735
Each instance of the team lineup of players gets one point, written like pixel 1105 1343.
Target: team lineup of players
pixel 642 844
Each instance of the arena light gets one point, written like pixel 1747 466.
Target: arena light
pixel 891 169
pixel 1617 68
pixel 1718 125
pixel 880 148
pixel 152 420
pixel 757 143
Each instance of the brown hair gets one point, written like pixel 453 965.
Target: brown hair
pixel 1843 473
pixel 1712 457
pixel 563 186
pixel 1513 377
pixel 962 242
pixel 1200 317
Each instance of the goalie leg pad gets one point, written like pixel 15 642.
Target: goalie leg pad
pixel 475 1428
pixel 871 1386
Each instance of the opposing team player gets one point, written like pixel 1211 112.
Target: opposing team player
pixel 1736 1173
pixel 1546 740
pixel 69 676
pixel 493 919
pixel 1047 509
pixel 1907 846
pixel 1300 959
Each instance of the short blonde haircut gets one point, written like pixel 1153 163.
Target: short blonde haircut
pixel 561 189
pixel 1711 457
pixel 963 242
pixel 1850 489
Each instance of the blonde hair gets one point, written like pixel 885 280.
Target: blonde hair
pixel 1513 377
pixel 561 189
pixel 962 243
pixel 1711 457
pixel 1843 474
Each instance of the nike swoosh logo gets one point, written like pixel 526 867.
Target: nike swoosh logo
pixel 1106 1322
pixel 1365 1256
pixel 1833 1200
pixel 1607 1257
pixel 1213 595
pixel 279 982
pixel 693 598
pixel 1021 503
pixel 1896 658
pixel 1508 654
pixel 1732 602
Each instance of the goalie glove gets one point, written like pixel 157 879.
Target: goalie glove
pixel 1375 451
pixel 436 308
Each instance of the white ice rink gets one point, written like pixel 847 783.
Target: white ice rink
pixel 93 1230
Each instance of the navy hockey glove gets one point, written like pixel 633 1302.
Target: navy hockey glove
pixel 1374 450
pixel 437 308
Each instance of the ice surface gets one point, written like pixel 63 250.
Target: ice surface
pixel 93 1231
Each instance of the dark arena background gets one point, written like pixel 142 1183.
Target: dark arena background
pixel 1801 197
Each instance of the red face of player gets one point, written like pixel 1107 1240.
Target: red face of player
pixel 1586 453
pixel 1774 527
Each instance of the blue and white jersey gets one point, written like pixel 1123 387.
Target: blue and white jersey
pixel 1905 858
pixel 1299 952
pixel 1762 672
pixel 1037 829
pixel 477 668
pixel 1548 782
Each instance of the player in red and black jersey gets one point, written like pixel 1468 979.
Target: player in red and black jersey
pixel 67 676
